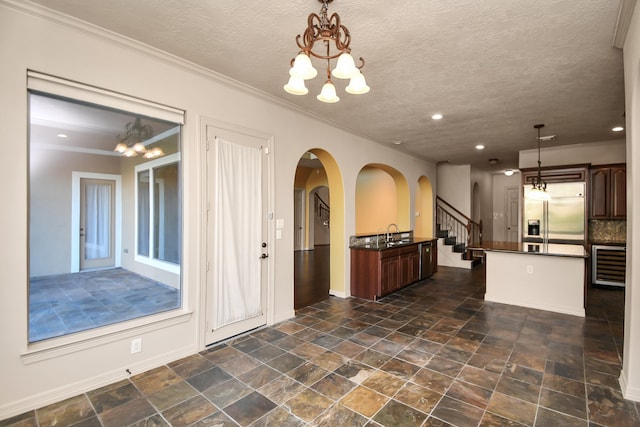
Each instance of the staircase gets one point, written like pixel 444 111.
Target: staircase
pixel 455 233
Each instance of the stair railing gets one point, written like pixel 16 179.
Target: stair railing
pixel 465 230
pixel 322 209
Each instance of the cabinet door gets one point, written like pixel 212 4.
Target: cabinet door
pixel 414 267
pixel 618 192
pixel 600 195
pixel 389 275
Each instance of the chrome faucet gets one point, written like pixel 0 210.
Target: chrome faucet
pixel 389 231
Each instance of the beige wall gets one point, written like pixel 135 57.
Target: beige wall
pixel 376 197
pixel 39 375
pixel 630 375
pixel 597 153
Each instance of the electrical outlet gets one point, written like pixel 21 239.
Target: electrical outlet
pixel 530 269
pixel 136 345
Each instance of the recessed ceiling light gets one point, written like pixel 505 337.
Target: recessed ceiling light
pixel 437 116
pixel 618 129
pixel 63 135
pixel 397 142
pixel 479 147
pixel 508 172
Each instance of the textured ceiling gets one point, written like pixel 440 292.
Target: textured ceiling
pixel 494 68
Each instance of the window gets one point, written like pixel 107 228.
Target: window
pixel 104 243
pixel 158 213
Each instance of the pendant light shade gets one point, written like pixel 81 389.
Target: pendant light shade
pixel 357 84
pixel 296 86
pixel 303 68
pixel 328 93
pixel 345 68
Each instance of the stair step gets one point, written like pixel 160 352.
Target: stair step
pixel 450 241
pixel 460 248
pixel 442 234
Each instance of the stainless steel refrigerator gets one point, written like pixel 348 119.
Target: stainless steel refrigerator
pixel 561 220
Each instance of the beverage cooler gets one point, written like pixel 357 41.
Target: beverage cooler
pixel 608 265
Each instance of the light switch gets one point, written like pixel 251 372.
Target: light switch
pixel 278 234
pixel 279 224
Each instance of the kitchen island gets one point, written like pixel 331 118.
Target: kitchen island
pixel 536 275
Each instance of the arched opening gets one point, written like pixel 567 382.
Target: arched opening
pixel 382 198
pixel 424 208
pixel 319 221
pixel 476 208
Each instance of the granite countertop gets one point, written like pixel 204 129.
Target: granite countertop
pixel 397 244
pixel 549 249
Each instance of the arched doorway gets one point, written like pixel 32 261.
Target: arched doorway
pixel 318 212
pixel 424 208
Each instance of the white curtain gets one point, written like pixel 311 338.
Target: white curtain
pixel 98 221
pixel 238 210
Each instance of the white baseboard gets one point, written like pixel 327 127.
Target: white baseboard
pixel 284 316
pixel 70 390
pixel 628 393
pixel 339 294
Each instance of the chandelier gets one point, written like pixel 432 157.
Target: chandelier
pixel 321 28
pixel 538 185
pixel 132 142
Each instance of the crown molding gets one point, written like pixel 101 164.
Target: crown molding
pixel 625 13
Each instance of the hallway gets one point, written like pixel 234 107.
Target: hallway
pixel 432 354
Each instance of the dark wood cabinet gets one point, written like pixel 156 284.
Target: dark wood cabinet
pixel 375 273
pixel 608 193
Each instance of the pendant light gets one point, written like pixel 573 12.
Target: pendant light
pixel 538 185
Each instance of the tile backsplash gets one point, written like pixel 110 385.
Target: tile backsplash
pixel 607 231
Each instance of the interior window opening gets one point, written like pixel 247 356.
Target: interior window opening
pixel 105 215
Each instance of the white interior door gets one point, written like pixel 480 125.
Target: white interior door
pixel 298 217
pixel 512 203
pixel 97 223
pixel 237 234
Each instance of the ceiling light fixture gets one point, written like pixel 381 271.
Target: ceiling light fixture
pixel 479 147
pixel 508 172
pixel 63 135
pixel 617 129
pixel 131 143
pixel 321 28
pixel 538 186
pixel 437 116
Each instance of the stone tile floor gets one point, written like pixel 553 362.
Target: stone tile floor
pixel 434 354
pixel 68 303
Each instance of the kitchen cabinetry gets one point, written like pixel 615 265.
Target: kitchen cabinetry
pixel 378 272
pixel 608 192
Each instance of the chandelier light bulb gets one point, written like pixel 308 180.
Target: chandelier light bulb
pixel 121 148
pixel 296 86
pixel 303 68
pixel 345 68
pixel 357 84
pixel 328 93
pixel 139 147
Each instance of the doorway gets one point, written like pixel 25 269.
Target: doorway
pixel 312 208
pixel 237 236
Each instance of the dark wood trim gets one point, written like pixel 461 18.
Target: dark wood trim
pixel 570 173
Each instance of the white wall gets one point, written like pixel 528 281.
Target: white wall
pixel 76 52
pixel 453 186
pixel 596 153
pixel 630 375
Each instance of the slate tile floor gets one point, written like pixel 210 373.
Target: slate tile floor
pixel 68 303
pixel 434 354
